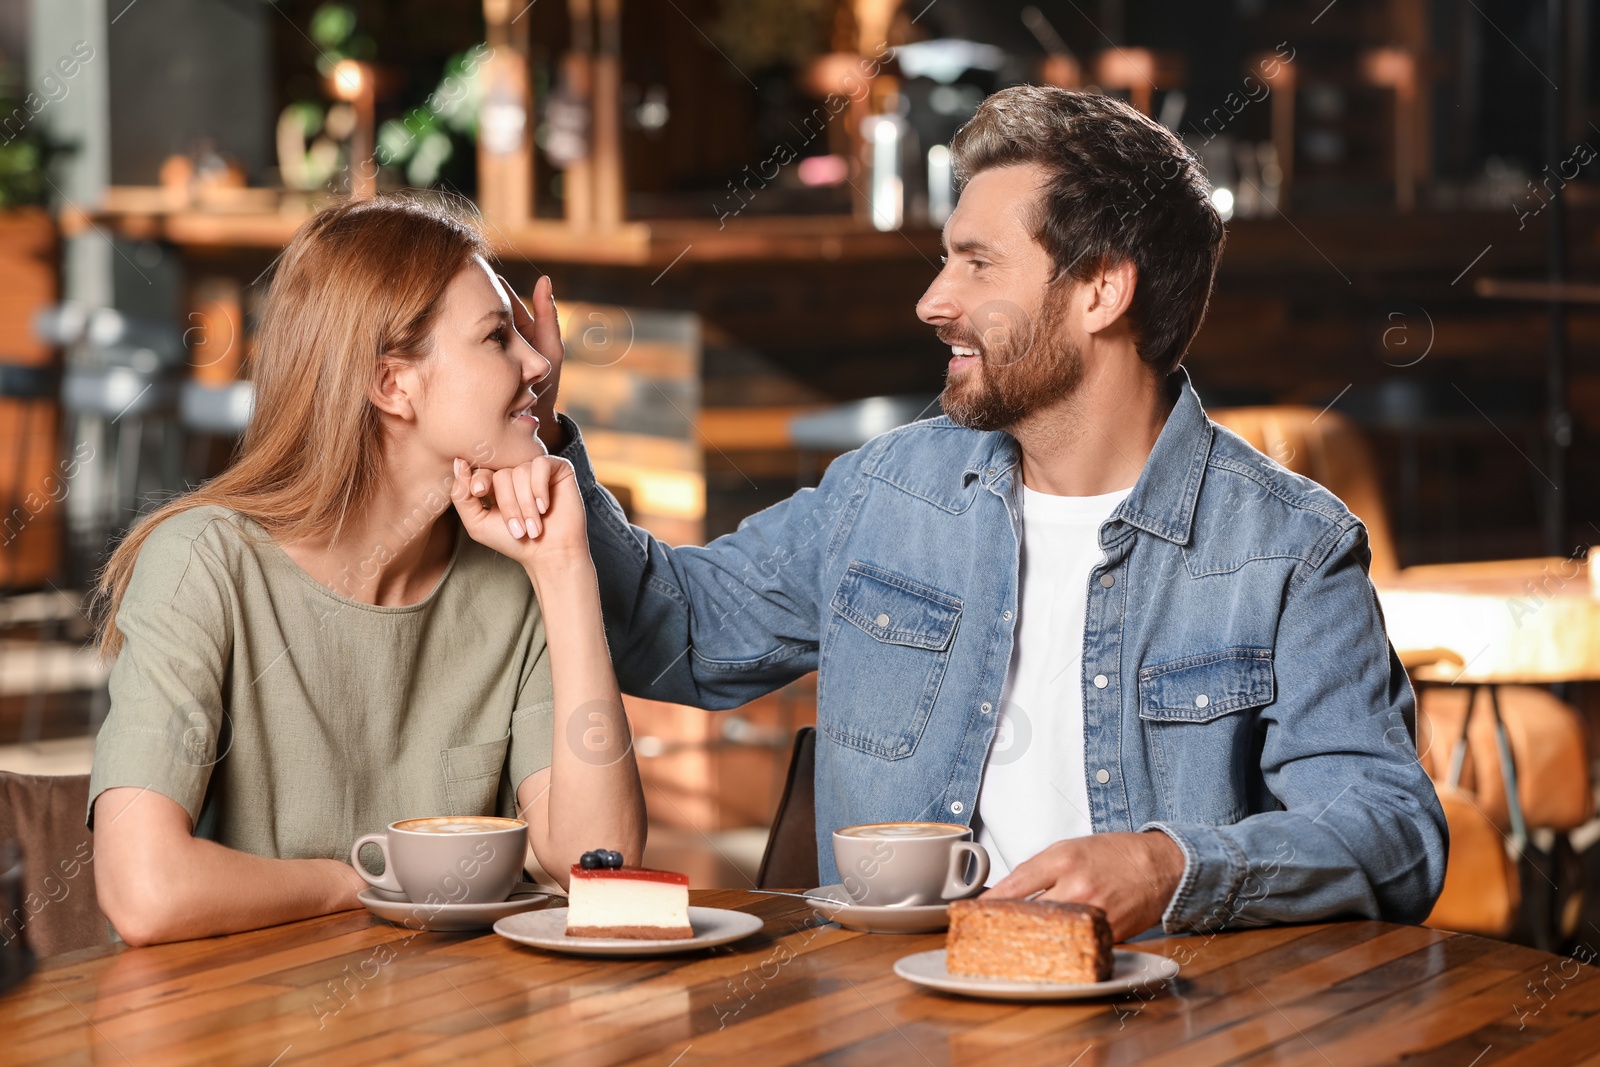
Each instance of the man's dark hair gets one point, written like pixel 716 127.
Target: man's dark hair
pixel 1121 187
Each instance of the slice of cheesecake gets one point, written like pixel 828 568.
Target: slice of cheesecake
pixel 628 902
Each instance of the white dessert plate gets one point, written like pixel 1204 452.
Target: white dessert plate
pixel 548 930
pixel 1129 971
pixel 446 918
pixel 906 919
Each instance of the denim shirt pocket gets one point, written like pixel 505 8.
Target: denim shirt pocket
pixel 472 776
pixel 887 648
pixel 1200 744
pixel 1206 687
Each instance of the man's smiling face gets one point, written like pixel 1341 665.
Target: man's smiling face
pixel 995 305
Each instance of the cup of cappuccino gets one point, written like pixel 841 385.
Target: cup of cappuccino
pixel 450 859
pixel 900 864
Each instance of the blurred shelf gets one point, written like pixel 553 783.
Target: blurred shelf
pixel 1543 292
pixel 239 221
pixel 1329 247
pixel 784 238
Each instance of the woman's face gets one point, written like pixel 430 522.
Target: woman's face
pixel 476 386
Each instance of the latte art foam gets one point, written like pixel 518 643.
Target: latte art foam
pixel 458 825
pixel 900 831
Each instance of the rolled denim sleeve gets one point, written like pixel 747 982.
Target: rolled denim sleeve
pixel 719 625
pixel 1362 833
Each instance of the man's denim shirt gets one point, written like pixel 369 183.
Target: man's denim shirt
pixel 1239 691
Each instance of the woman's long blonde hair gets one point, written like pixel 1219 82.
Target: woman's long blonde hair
pixel 360 280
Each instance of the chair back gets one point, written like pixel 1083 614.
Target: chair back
pixel 790 861
pixel 1548 743
pixel 45 815
pixel 1482 890
pixel 1329 449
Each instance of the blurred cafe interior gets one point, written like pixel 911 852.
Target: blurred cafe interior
pixel 739 204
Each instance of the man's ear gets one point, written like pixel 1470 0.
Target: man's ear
pixel 394 387
pixel 1109 294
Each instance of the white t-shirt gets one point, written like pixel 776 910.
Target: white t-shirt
pixel 1034 792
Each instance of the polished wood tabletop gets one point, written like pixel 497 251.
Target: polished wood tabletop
pixel 351 989
pixel 1519 620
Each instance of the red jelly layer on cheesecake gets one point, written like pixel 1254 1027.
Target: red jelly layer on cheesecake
pixel 640 874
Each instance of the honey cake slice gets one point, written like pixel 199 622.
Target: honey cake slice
pixel 1029 941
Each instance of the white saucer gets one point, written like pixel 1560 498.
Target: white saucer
pixel 1129 971
pixel 548 930
pixel 906 919
pixel 441 918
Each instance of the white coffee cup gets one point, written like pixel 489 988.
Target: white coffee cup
pixel 449 859
pixel 903 864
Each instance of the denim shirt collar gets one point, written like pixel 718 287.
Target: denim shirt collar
pixel 1163 499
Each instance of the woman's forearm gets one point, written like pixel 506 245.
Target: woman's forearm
pixel 223 891
pixel 594 800
pixel 157 883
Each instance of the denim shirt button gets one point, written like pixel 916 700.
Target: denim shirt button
pixel 1101 681
pixel 1102 776
pixel 957 807
pixel 985 707
pixel 1201 701
pixel 882 619
pixel 1006 615
pixel 1107 581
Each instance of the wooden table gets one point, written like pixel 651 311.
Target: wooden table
pixel 349 989
pixel 1533 621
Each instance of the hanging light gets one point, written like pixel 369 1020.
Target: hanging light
pixel 1222 200
pixel 347 79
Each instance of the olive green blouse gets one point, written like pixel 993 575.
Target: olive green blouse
pixel 288 720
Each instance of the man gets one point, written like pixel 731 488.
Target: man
pixel 1143 661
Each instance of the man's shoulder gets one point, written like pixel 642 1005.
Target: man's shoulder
pixel 937 433
pixel 928 457
pixel 935 444
pixel 1250 496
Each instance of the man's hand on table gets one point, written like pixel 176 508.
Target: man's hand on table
pixel 1131 876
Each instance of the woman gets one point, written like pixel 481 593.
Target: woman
pixel 337 632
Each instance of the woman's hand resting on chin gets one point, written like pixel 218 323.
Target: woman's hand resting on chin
pixel 532 512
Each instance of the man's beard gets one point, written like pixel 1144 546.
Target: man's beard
pixel 1025 370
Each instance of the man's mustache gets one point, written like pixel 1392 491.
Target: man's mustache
pixel 952 336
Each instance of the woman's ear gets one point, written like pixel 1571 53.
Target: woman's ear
pixel 395 388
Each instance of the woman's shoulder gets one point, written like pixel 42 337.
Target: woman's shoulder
pixel 210 532
pixel 212 525
pixel 495 584
pixel 476 562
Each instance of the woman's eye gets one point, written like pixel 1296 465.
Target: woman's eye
pixel 499 337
